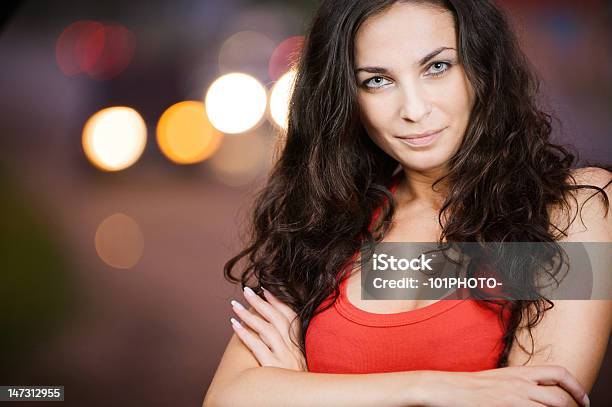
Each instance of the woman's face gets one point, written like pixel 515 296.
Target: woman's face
pixel 411 84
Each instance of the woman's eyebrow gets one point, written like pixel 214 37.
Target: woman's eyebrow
pixel 422 61
pixel 432 54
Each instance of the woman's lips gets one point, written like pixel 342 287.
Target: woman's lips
pixel 421 141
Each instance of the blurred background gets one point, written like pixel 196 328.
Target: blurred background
pixel 133 136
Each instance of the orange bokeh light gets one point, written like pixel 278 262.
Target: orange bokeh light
pixel 185 135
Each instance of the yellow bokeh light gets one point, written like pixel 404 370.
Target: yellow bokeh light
pixel 119 241
pixel 114 138
pixel 185 135
pixel 280 97
pixel 236 103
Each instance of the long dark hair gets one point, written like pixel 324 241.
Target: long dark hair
pixel 314 211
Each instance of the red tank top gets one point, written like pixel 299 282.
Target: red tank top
pixel 449 335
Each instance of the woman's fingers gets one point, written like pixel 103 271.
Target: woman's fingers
pixel 550 396
pixel 269 335
pixel 560 376
pixel 267 311
pixel 271 329
pixel 252 341
pixel 290 315
pixel 279 305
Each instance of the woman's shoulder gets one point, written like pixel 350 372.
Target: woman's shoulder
pixel 588 219
pixel 592 175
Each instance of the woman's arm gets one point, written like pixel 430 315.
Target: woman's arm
pixel 575 333
pixel 241 381
pixel 263 368
pixel 257 369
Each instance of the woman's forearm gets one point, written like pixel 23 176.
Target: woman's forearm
pixel 271 386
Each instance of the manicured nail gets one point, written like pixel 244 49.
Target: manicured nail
pixel 236 323
pixel 237 304
pixel 248 291
pixel 586 401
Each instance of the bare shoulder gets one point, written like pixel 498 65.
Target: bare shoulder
pixel 599 177
pixel 588 219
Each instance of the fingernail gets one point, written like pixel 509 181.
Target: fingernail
pixel 237 304
pixel 236 323
pixel 248 291
pixel 586 400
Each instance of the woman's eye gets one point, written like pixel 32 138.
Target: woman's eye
pixel 438 68
pixel 375 82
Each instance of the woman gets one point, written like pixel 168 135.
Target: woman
pixel 440 91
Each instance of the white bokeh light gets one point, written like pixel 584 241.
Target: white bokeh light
pixel 235 103
pixel 279 99
pixel 114 138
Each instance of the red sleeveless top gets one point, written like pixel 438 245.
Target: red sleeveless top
pixel 449 335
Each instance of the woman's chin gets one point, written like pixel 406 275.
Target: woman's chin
pixel 426 163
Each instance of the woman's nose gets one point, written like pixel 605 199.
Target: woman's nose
pixel 415 104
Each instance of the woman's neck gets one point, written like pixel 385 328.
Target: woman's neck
pixel 415 189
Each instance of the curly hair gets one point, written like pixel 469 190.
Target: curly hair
pixel 315 209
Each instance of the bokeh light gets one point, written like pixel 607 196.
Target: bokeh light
pixel 240 160
pixel 235 103
pixel 119 241
pixel 280 97
pixel 246 51
pixel 285 56
pixel 185 135
pixel 114 138
pixel 102 51
pixel 79 46
pixel 117 52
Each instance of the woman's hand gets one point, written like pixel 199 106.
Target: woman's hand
pixel 518 386
pixel 270 326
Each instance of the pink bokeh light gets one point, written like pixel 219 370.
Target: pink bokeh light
pixel 102 51
pixel 284 56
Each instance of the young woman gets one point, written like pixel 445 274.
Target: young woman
pixel 438 91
